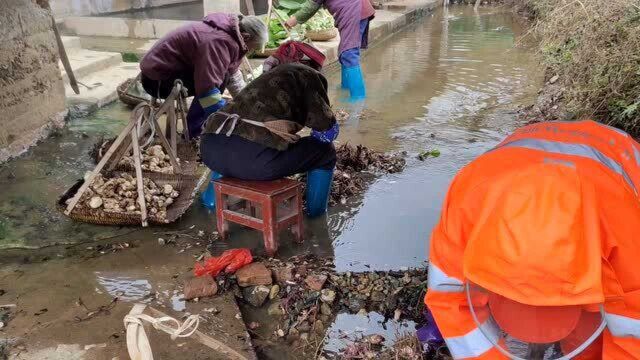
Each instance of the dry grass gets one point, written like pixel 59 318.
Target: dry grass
pixel 594 46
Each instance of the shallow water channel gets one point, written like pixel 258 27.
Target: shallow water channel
pixel 449 82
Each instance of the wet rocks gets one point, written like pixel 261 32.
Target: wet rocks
pixel 283 274
pixel 275 290
pixel 374 339
pixel 327 296
pixel 318 327
pixel 119 194
pixel 199 287
pixel 315 282
pixel 256 295
pixel 325 309
pixel 153 159
pixel 95 202
pixel 275 309
pixel 254 274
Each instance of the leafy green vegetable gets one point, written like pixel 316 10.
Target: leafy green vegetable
pixel 277 34
pixel 322 20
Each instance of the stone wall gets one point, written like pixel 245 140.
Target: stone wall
pixel 63 8
pixel 32 99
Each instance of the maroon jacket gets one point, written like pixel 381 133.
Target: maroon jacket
pixel 207 51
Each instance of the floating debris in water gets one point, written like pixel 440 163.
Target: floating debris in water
pixel 355 166
pixel 423 155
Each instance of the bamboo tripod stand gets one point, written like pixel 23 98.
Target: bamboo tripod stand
pixel 143 120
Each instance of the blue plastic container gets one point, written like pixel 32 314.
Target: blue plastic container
pixel 317 192
pixel 208 197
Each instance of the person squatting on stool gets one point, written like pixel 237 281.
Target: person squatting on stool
pixel 206 57
pixel 255 136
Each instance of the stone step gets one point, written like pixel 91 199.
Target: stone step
pixel 71 44
pixel 102 85
pixel 86 62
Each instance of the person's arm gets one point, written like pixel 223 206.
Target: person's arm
pixel 622 335
pixel 236 83
pixel 211 65
pixel 320 117
pixel 307 11
pixel 446 296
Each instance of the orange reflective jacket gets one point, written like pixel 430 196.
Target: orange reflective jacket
pixel 596 253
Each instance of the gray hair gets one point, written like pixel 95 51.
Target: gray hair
pixel 255 28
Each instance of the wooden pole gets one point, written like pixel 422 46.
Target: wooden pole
pixel 139 180
pixel 270 3
pixel 250 8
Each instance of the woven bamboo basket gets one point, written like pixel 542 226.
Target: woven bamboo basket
pixel 322 35
pixel 266 53
pixel 187 186
pixel 127 98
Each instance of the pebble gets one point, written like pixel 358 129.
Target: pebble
pixel 397 314
pixel 254 274
pixel 275 309
pixel 256 295
pixel 162 242
pixel 303 327
pixel 318 327
pixel 377 296
pixel 315 282
pixel 363 312
pixel 275 290
pixel 95 202
pixel 375 339
pixel 280 333
pixel 327 296
pixel 325 309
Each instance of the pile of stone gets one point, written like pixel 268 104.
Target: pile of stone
pixel 154 159
pixel 119 194
pixel 405 347
pixel 304 294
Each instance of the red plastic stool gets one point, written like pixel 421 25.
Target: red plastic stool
pixel 268 206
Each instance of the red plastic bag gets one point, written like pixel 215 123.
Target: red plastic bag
pixel 229 261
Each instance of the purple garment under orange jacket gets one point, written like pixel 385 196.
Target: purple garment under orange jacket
pixel 206 50
pixel 347 14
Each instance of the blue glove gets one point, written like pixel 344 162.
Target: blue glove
pixel 327 136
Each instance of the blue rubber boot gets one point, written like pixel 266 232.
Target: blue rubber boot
pixel 317 192
pixel 208 197
pixel 355 82
pixel 344 83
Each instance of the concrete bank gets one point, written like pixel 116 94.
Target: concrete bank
pixel 32 101
pixel 137 36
